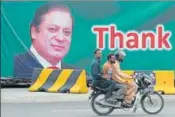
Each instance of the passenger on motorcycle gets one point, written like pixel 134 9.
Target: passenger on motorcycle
pixel 107 70
pixel 99 79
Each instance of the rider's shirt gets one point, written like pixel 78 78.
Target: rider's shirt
pixel 107 69
pixel 117 73
pixel 96 70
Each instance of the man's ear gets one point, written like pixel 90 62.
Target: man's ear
pixel 33 32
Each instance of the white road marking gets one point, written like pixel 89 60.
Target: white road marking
pixel 13 97
pixel 79 110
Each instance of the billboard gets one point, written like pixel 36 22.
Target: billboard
pixel 65 34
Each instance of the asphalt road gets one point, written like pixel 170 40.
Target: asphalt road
pixel 72 109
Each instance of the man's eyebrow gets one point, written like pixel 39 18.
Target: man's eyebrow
pixel 66 28
pixel 53 25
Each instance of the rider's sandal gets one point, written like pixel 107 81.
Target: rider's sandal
pixel 126 105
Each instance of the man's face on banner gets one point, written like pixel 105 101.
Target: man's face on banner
pixel 53 37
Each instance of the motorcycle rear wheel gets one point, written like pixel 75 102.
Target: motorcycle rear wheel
pixel 93 105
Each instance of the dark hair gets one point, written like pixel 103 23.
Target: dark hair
pixel 96 50
pixel 44 9
pixel 109 56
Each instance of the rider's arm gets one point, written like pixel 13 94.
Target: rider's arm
pixel 95 70
pixel 118 79
pixel 105 69
pixel 115 76
pixel 120 73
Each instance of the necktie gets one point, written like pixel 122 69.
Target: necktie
pixel 53 67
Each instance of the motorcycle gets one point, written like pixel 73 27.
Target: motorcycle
pixel 144 96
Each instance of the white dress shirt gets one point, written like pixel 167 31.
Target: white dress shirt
pixel 43 61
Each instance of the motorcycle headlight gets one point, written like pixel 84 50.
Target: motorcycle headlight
pixel 148 81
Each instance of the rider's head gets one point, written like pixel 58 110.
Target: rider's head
pixel 120 55
pixel 111 58
pixel 97 53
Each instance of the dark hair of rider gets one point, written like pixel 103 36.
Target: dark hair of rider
pixel 96 50
pixel 109 56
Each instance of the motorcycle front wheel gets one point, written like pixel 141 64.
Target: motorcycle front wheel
pixel 152 103
pixel 100 109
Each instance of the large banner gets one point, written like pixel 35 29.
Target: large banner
pixel 65 34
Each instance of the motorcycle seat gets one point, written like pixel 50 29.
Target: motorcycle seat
pixel 99 88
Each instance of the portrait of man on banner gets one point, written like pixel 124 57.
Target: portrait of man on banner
pixel 51 35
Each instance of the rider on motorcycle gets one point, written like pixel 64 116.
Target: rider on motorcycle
pixel 99 79
pixel 107 70
pixel 143 95
pixel 119 77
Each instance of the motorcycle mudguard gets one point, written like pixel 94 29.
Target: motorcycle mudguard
pixel 147 93
pixel 95 93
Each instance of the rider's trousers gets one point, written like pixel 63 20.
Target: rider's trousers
pixel 130 92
